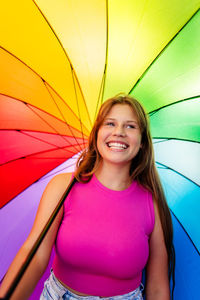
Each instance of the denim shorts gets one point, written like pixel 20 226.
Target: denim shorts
pixel 53 289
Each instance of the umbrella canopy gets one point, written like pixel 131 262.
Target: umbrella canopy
pixel 59 61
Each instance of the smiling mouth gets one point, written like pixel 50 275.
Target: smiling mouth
pixel 116 145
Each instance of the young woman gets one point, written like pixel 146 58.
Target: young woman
pixel 114 222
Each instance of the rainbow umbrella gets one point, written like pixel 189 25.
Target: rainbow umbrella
pixel 59 61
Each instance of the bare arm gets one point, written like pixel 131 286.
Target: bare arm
pixel 157 285
pixel 50 198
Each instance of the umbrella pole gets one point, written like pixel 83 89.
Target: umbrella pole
pixel 37 243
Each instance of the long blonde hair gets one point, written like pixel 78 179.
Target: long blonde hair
pixel 142 169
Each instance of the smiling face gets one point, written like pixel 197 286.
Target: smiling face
pixel 119 136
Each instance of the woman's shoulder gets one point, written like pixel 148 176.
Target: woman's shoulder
pixel 49 201
pixel 61 179
pixel 58 184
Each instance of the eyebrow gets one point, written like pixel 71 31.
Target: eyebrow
pixel 127 121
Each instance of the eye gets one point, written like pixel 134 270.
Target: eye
pixel 130 126
pixel 109 123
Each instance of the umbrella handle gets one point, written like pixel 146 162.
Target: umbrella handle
pixel 37 243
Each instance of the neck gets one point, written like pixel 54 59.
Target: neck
pixel 114 177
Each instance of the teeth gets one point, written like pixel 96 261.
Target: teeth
pixel 117 145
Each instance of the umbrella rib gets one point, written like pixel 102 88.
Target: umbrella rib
pixel 44 141
pixel 75 76
pixel 185 231
pixel 173 103
pixel 102 87
pixel 100 99
pixel 180 174
pixel 53 31
pixel 69 126
pixel 173 138
pixel 38 75
pixel 159 54
pixel 24 131
pixel 62 113
pixel 48 123
pixel 47 84
pixel 42 81
pixel 21 61
pixel 72 72
pixel 40 152
pixel 32 70
pixel 161 140
pixel 31 105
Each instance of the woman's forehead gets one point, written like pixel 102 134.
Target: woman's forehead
pixel 122 111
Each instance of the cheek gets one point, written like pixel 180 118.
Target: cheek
pixel 98 137
pixel 99 141
pixel 101 136
pixel 137 142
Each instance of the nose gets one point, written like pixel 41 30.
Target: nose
pixel 119 131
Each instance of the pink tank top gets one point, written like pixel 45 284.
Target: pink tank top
pixel 102 243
